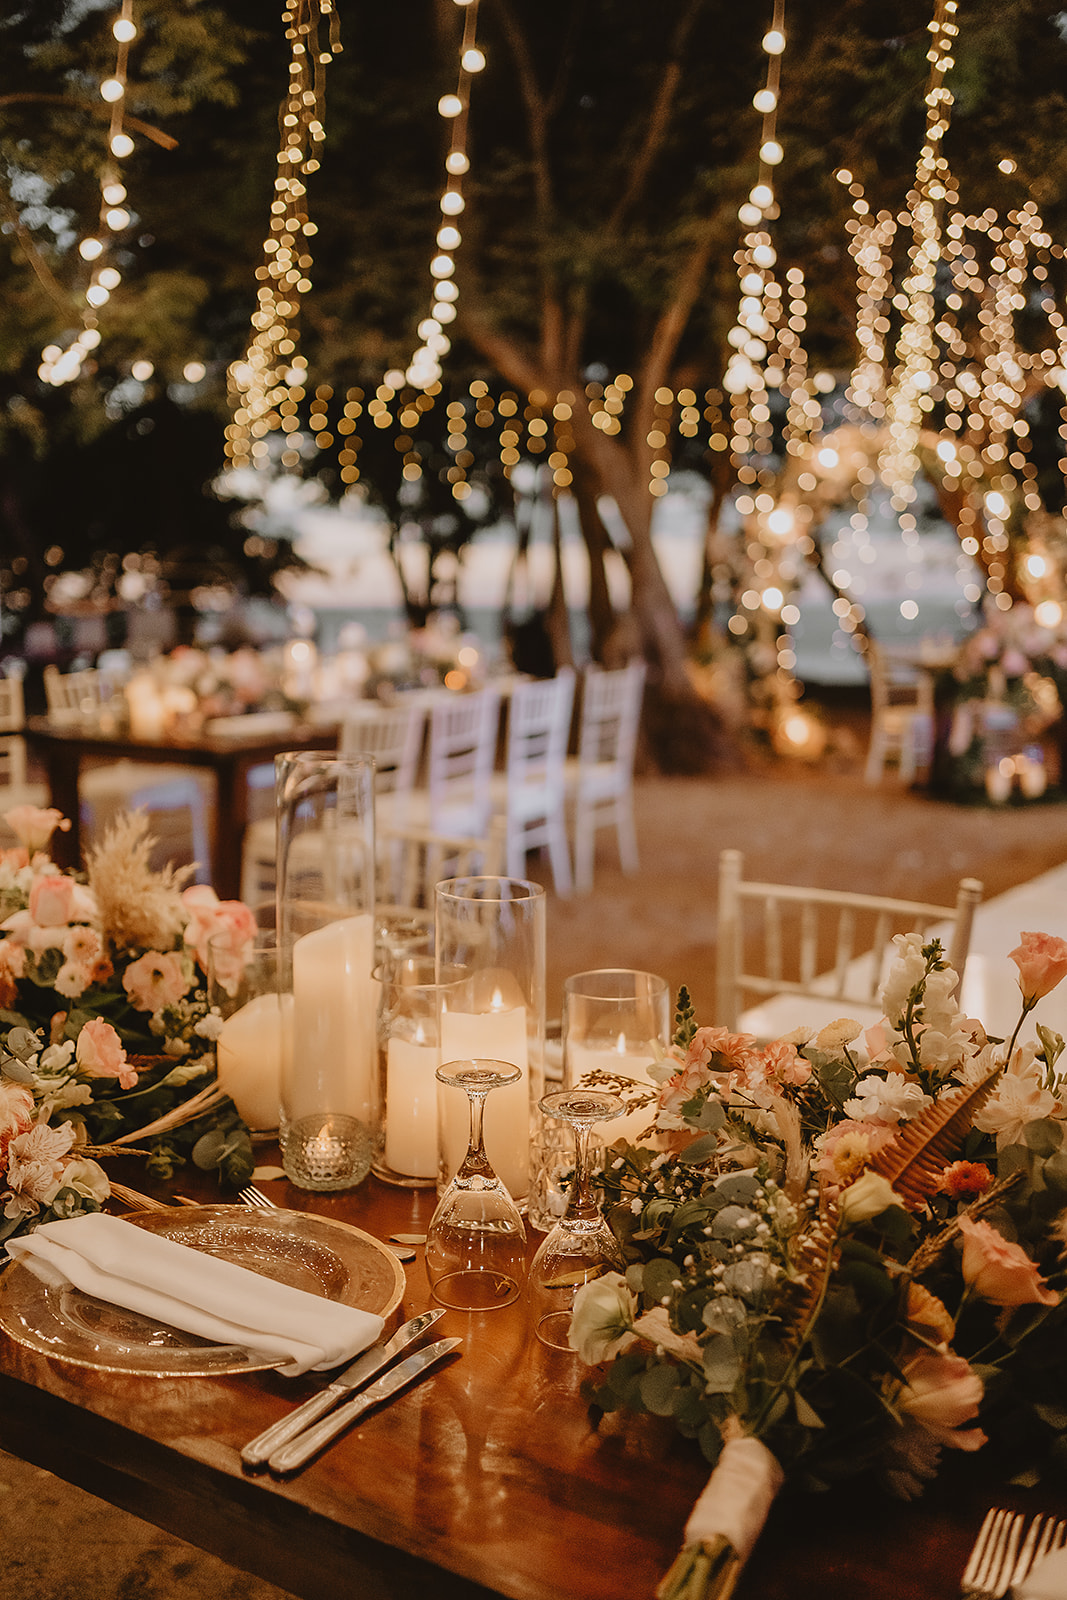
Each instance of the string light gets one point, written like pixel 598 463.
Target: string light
pixel 59 366
pixel 267 383
pixel 424 367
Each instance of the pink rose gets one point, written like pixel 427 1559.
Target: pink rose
pixel 1000 1271
pixel 1042 962
pixel 154 981
pixel 719 1050
pixel 229 922
pixel 52 901
pixel 100 1053
pixel 940 1393
pixel 35 825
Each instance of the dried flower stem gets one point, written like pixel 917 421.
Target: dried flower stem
pixel 209 1099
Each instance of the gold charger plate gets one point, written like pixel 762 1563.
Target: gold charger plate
pixel 331 1259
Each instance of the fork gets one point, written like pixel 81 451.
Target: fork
pixel 251 1196
pixel 998 1562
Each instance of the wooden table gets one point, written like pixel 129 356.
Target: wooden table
pixel 490 1478
pixel 230 756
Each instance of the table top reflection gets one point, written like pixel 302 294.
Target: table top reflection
pixel 492 1477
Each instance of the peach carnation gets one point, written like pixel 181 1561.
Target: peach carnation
pixel 1000 1271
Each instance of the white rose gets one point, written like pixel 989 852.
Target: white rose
pixel 603 1318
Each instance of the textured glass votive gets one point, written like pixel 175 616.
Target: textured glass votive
pixel 326 1151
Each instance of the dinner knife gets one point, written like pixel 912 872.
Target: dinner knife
pixel 257 1450
pixel 301 1449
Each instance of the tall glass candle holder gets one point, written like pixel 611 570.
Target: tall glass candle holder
pixel 616 1023
pixel 326 931
pixel 405 1151
pixel 489 939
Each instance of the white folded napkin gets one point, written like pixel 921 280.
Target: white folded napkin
pixel 1046 1580
pixel 186 1288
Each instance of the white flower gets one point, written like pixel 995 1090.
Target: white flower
pixel 1018 1098
pixel 56 1057
pixel 888 1099
pixel 603 1318
pixel 939 1006
pixel 868 1197
pixel 209 1027
pixel 904 973
pixel 87 1179
pixel 35 1163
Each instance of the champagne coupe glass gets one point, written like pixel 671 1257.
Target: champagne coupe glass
pixel 476 1241
pixel 581 1246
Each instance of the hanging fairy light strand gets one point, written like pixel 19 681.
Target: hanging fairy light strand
pixel 909 398
pixel 267 385
pixel 424 368
pixel 59 365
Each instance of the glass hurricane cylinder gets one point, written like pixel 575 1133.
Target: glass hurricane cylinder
pixel 616 1024
pixel 489 938
pixel 405 1151
pixel 325 806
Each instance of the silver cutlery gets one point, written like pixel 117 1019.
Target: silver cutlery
pixel 307 1444
pixel 997 1562
pixel 251 1196
pixel 257 1450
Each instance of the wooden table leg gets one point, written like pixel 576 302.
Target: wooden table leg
pixel 231 816
pixel 62 768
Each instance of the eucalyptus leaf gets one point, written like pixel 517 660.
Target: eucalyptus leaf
pixel 701 1150
pixel 659 1388
pixel 1044 1138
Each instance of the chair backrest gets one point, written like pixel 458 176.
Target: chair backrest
pixel 12 762
pixel 72 694
pixel 610 718
pixel 393 736
pixel 411 861
pixel 539 726
pixel 897 683
pixel 12 705
pixel 820 942
pixel 463 737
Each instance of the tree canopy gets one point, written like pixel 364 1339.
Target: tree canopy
pixel 611 144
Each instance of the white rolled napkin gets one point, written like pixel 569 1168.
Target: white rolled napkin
pixel 189 1289
pixel 1046 1580
pixel 737 1496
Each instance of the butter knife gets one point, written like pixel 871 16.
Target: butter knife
pixel 257 1450
pixel 294 1455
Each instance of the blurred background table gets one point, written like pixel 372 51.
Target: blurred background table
pixel 229 754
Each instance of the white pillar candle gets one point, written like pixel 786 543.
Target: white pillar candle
pixel 249 1051
pixel 629 1064
pixel 998 782
pixel 411 1108
pixel 335 1002
pixel 494 1035
pixel 148 714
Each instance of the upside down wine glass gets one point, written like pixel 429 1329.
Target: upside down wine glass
pixel 476 1241
pixel 581 1246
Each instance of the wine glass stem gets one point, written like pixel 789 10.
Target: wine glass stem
pixel 583 1204
pixel 475 1160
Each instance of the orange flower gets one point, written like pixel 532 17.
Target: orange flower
pixel 966 1180
pixel 1042 962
